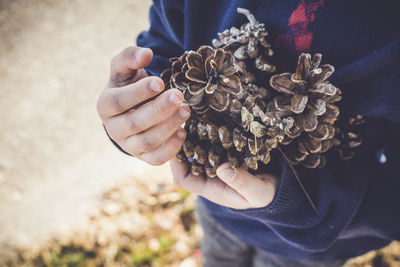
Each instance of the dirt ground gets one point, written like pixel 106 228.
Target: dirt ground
pixel 55 160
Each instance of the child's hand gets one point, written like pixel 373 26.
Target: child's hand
pixel 150 132
pixel 235 189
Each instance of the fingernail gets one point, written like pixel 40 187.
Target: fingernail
pixel 155 86
pixel 174 98
pixel 183 113
pixel 225 171
pixel 181 134
pixel 139 53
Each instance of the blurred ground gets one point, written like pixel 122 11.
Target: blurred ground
pixel 55 160
pixel 164 232
pixel 67 196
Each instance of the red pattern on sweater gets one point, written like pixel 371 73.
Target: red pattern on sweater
pixel 302 37
pixel 301 17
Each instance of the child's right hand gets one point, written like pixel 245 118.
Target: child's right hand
pixel 151 132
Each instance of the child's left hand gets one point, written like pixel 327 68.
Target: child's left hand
pixel 234 189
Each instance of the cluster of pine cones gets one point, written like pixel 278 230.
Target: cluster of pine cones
pixel 236 119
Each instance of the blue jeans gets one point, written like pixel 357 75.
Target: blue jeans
pixel 221 248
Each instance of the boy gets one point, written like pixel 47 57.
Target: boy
pixel 266 220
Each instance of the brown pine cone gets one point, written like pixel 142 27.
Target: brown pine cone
pixel 309 95
pixel 207 78
pixel 248 42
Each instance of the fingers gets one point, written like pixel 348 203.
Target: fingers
pixel 115 101
pixel 124 65
pixel 166 151
pixel 158 134
pixel 213 189
pixel 146 116
pixel 258 192
pixel 140 74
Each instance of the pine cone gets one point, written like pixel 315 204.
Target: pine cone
pixel 242 135
pixel 210 78
pixel 207 77
pixel 309 95
pixel 248 42
pixel 210 142
pixel 221 139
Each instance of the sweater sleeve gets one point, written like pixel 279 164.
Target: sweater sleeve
pixel 351 196
pixel 165 35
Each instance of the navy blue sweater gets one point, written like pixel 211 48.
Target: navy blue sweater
pixel 358 201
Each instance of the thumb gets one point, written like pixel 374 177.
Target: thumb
pixel 258 192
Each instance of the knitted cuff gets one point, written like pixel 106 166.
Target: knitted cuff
pixel 114 143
